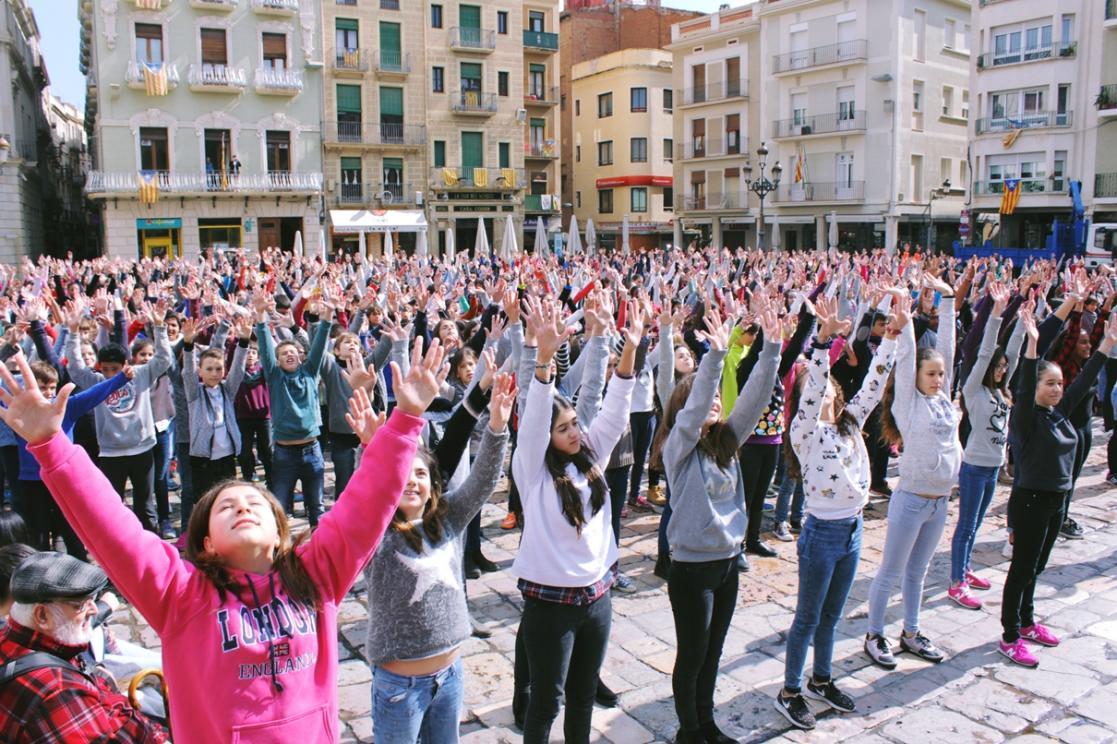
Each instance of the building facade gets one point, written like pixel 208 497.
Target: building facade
pixel 1045 113
pixel 67 162
pixel 205 124
pixel 846 87
pixel 623 146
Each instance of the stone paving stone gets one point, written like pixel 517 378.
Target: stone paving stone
pixel 1076 731
pixel 997 705
pixel 933 723
pixel 1100 706
pixel 1061 681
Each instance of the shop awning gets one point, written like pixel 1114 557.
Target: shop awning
pixel 377 220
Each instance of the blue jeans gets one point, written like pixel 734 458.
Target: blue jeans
pixel 423 709
pixel 302 462
pixel 976 484
pixel 617 481
pixel 915 525
pixel 164 450
pixel 186 483
pixel 829 550
pixel 788 486
pixel 343 453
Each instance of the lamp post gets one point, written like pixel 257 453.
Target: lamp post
pixel 935 194
pixel 762 186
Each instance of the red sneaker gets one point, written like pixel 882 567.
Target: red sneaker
pixel 976 582
pixel 961 595
pixel 1040 634
pixel 1018 653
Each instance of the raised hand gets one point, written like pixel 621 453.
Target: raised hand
pixel 901 314
pixel 356 373
pixel 637 317
pixel 488 358
pixel 361 418
pixel 25 410
pixel 416 390
pixel 1028 319
pixel 829 324
pixel 999 293
pixel 1110 338
pixel 243 327
pixel 501 402
pixel 550 332
pixel 716 333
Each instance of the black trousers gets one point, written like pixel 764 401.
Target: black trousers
pixel 565 646
pixel 617 480
pixel 703 597
pixel 1081 452
pixel 255 441
pixel 1035 517
pixel 140 470
pixel 879 452
pixel 758 467
pixel 643 427
pixel 9 472
pixel 207 473
pixel 45 520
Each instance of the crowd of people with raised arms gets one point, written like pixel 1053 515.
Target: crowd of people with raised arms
pixel 694 383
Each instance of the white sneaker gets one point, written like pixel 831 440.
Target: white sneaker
pixel 783 532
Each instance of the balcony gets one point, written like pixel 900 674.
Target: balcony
pixel 486 179
pixel 348 62
pixel 1110 13
pixel 151 4
pixel 540 151
pixel 814 192
pixel 708 147
pixel 1107 101
pixel 805 126
pixel 711 202
pixel 351 194
pixel 217 79
pixel 541 96
pixel 372 134
pixel 473 103
pixel 842 53
pixel 477 40
pixel 1066 50
pixel 389 4
pixel 394 193
pixel 1029 186
pixel 1105 186
pixel 715 92
pixel 276 7
pixel 220 5
pixel 126 183
pixel 278 81
pixel 157 80
pixel 1035 120
pixel 533 203
pixel 393 62
pixel 541 41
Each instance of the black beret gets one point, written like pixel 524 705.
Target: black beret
pixel 49 576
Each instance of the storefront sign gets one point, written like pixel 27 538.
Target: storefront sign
pixel 616 181
pixel 161 223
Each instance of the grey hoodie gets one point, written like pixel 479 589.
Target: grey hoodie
pixel 988 410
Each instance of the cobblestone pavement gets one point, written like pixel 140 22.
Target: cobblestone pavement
pixel 975 695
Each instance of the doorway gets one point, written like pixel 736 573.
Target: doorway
pixel 465 234
pixel 280 232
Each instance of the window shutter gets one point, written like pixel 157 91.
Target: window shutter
pixel 349 99
pixel 275 45
pixel 391 102
pixel 351 164
pixel 698 177
pixel 389 37
pixel 149 31
pixel 469 16
pixel 213 47
pixel 473 152
pixel 345 24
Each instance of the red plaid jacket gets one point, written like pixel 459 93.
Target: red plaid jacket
pixel 55 705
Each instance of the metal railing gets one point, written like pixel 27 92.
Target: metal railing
pixel 1107 97
pixel 178 182
pixel 389 4
pixel 534 203
pixel 489 179
pixel 737 88
pixel 1065 49
pixel 711 202
pixel 1028 186
pixel 474 102
pixel 541 95
pixel 1035 120
pixel 821 192
pixel 350 193
pixel 393 60
pixel 1105 185
pixel 134 74
pixel 217 76
pixel 214 4
pixel 394 193
pixel 818 124
pixel 373 133
pixel 541 40
pixel 279 79
pixel 349 60
pixel 465 37
pixel 276 6
pixel 710 147
pixel 540 151
pixel 844 51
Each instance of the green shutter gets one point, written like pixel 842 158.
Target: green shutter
pixel 439 154
pixel 349 99
pixel 473 150
pixel 393 163
pixel 391 101
pixel 505 155
pixel 471 71
pixel 389 36
pixel 350 164
pixel 538 123
pixel 469 16
pixel 345 24
pixel 540 69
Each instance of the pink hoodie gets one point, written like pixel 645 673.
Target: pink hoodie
pixel 216 653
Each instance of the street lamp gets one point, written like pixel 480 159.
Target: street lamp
pixel 762 186
pixel 935 194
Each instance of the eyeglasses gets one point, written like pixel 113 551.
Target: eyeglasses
pixel 79 605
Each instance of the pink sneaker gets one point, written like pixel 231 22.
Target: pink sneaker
pixel 976 582
pixel 1039 634
pixel 961 595
pixel 1018 653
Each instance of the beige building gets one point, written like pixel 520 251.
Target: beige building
pixel 623 146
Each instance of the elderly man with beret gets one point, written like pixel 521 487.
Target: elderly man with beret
pixel 48 692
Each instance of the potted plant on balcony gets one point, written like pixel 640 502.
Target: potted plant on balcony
pixel 1069 50
pixel 1105 99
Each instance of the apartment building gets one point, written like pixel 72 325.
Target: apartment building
pixel 863 104
pixel 204 120
pixel 67 163
pixel 1045 103
pixel 623 146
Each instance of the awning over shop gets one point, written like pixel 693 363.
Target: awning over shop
pixel 377 220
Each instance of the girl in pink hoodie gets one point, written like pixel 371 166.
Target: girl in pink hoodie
pixel 249 625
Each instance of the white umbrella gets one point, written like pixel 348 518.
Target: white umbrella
pixel 591 237
pixel 774 237
pixel 832 234
pixel 540 241
pixel 421 244
pixel 508 246
pixel 361 245
pixel 481 243
pixel 322 241
pixel 624 234
pixel 387 246
pixel 298 247
pixel 449 245
pixel 574 243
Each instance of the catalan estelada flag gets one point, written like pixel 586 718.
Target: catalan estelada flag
pixel 1011 195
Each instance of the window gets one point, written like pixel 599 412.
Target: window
pixel 668 100
pixel 639 199
pixel 946 169
pixel 577 153
pixel 638 150
pixel 393 177
pixel 214 51
pixel 604 105
pixel 278 150
pixel 505 153
pixel 218 151
pixel 668 199
pixel 391 114
pixel 1017 104
pixel 345 34
pixel 438 79
pixel 605 201
pixel 391 51
pixel 155 154
pixel 639 100
pixel 537 82
pixel 698 137
pixel 439 154
pixel 605 153
pixel 949 32
pixel 471 81
pixel 149 44
pixel 502 83
pixel 963 171
pixel 1067 29
pixel 436 16
pixel 349 113
pixel 965 103
pixel 733 134
pixel 275 50
pixel 798 109
pixel 917 105
pixel 502 21
pixel 1060 169
pixel 1061 102
pixel 844 168
pixel 916 178
pixel 919 41
pixel 220 232
pixel 473 149
pixel 535 21
pixel 947 100
pixel 577 106
pixel 578 199
pixel 536 129
pixel 1012 44
pixel 350 180
pixel 668 149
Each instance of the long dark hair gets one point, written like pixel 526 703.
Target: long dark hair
pixel 292 573
pixel 719 443
pixel 570 497
pixel 889 430
pixel 844 421
pixel 434 511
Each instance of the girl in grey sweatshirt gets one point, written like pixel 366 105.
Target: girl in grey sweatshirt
pixel 698 452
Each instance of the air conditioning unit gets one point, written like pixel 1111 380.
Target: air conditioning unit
pixel 521 115
pixel 419 198
pixel 805 129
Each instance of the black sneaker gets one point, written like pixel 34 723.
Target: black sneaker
pixel 921 646
pixel 829 693
pixel 743 563
pixel 1071 530
pixel 471 569
pixel 477 630
pixel 713 735
pixel 662 567
pixel 519 708
pixel 760 549
pixel 795 710
pixel 880 650
pixel 484 563
pixel 796 525
pixel 603 696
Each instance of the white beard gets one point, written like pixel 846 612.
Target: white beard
pixel 71 632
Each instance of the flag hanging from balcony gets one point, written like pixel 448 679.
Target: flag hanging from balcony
pixel 449 177
pixel 508 178
pixel 480 177
pixel 155 80
pixel 149 4
pixel 148 188
pixel 1010 139
pixel 1011 195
